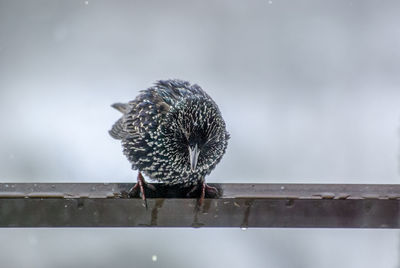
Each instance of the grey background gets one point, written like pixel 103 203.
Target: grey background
pixel 309 90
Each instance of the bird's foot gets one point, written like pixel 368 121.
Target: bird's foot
pixel 139 188
pixel 205 191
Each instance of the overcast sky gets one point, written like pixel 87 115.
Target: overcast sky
pixel 309 91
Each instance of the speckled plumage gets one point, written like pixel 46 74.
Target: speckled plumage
pixel 157 128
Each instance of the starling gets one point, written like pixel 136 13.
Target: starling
pixel 174 133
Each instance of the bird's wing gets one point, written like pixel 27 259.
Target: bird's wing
pixel 117 131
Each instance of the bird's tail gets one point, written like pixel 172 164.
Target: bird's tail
pixel 122 107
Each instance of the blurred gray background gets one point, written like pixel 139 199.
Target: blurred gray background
pixel 309 90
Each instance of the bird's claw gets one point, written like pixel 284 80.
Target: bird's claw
pixel 205 191
pixel 139 188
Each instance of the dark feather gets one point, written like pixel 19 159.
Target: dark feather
pixel 162 122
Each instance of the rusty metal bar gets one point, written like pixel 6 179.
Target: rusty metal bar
pixel 240 205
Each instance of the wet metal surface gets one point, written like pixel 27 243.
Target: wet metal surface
pixel 239 205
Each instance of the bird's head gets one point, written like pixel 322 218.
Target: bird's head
pixel 195 135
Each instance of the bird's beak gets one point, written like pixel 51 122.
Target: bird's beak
pixel 193 156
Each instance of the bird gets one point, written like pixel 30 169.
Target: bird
pixel 174 133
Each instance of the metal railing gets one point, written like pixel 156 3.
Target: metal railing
pixel 240 205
